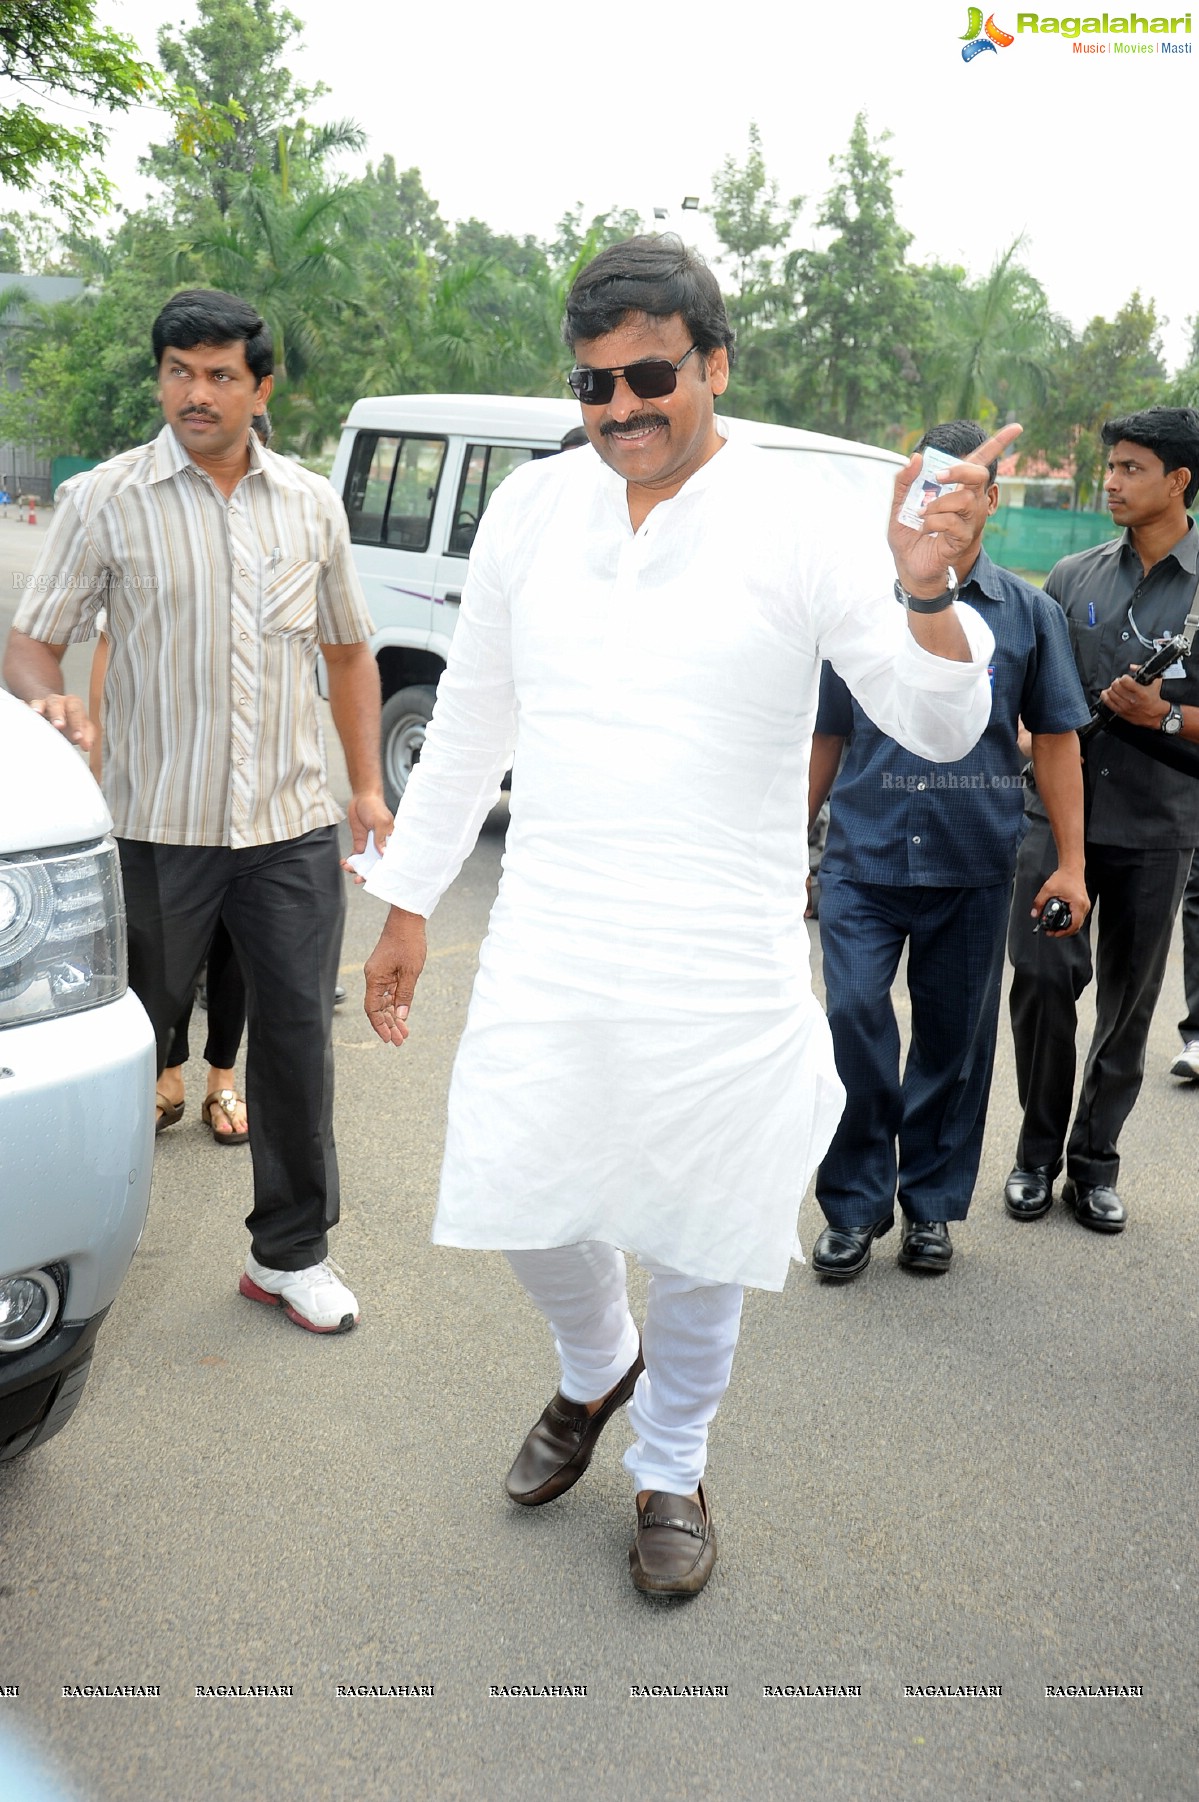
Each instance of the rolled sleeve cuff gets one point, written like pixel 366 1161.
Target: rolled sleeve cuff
pixel 400 889
pixel 944 674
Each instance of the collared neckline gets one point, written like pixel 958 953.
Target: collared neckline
pixel 1185 551
pixel 617 486
pixel 985 574
pixel 170 458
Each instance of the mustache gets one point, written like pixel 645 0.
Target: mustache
pixel 637 423
pixel 198 413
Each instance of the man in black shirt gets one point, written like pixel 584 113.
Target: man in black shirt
pixel 1120 599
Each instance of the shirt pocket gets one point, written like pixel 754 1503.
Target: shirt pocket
pixel 289 599
pixel 1100 654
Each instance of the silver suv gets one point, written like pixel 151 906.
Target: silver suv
pixel 76 1080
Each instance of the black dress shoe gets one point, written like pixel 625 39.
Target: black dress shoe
pixel 1095 1205
pixel 924 1245
pixel 1027 1194
pixel 558 1449
pixel 842 1252
pixel 674 1548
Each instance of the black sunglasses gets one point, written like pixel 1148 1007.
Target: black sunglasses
pixel 648 381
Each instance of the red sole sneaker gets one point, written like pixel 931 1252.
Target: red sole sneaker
pixel 249 1288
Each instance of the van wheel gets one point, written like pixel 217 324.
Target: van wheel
pixel 405 716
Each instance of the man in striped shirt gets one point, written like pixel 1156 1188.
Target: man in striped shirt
pixel 223 569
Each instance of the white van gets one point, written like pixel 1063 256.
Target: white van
pixel 416 472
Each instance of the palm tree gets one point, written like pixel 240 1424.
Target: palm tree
pixel 994 340
pixel 288 247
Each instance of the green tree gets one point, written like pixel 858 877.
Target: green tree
pixel 87 378
pixel 289 248
pixel 234 59
pixel 1114 368
pixel 53 50
pixel 995 341
pixel 575 243
pixel 863 323
pixel 753 225
pixel 1183 390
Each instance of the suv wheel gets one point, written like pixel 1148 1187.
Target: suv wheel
pixel 406 714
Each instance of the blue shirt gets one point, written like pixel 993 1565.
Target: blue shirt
pixel 896 818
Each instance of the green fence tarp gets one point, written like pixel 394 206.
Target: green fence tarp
pixel 1032 539
pixel 62 467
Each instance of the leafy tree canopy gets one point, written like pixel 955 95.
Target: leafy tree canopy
pixel 54 50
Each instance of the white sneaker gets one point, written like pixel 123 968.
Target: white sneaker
pixel 315 1298
pixel 1187 1062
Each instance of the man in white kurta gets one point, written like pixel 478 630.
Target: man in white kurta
pixel 644 1066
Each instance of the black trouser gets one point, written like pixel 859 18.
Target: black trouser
pixel 1189 1028
pixel 1135 896
pixel 284 906
pixel 226 1007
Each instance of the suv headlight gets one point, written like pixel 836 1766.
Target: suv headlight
pixel 62 933
pixel 29 1306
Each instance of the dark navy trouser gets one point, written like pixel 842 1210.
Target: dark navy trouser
pixel 936 1113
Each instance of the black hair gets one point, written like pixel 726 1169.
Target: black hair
pixel 657 275
pixel 206 316
pixel 575 439
pixel 958 437
pixel 1171 433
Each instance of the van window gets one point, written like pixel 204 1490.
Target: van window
pixel 483 470
pixel 392 488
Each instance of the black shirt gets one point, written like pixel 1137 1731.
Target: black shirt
pixel 1132 800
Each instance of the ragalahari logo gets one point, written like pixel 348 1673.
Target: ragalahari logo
pixel 978 37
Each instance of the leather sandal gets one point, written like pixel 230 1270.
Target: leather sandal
pixel 227 1100
pixel 166 1113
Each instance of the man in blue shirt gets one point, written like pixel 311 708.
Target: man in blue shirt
pixel 923 855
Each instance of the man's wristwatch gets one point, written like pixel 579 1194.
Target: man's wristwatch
pixel 1172 722
pixel 937 603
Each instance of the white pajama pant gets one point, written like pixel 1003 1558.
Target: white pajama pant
pixel 688 1341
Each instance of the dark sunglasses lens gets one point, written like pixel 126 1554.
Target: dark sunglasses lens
pixel 650 381
pixel 594 387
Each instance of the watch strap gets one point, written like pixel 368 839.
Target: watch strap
pixel 936 603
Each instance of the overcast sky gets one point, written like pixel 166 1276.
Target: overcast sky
pixel 514 112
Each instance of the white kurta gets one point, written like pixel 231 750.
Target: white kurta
pixel 644 1062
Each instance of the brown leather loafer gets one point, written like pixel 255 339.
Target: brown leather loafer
pixel 558 1449
pixel 674 1548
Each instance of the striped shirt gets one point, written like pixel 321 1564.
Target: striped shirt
pixel 215 611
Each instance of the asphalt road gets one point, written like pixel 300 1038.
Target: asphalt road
pixel 987 1479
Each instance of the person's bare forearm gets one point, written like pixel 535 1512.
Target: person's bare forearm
pixel 1057 766
pixel 354 703
pixel 33 671
pixel 823 765
pixel 941 633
